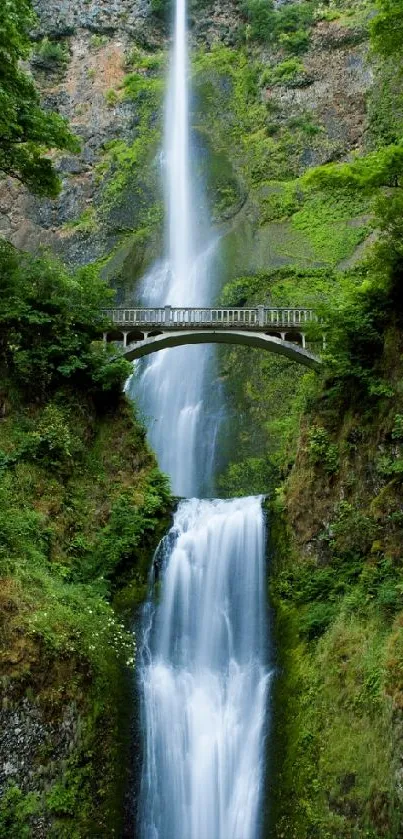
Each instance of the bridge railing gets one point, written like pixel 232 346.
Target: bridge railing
pixel 259 317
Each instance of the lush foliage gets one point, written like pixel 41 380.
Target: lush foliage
pixel 387 27
pixel 337 528
pixel 82 507
pixel 51 55
pixel 383 167
pixel 50 320
pixel 26 130
pixel 287 25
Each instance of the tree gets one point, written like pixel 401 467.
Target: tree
pixel 387 27
pixel 27 131
pixel 50 324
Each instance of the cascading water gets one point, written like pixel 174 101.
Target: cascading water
pixel 202 666
pixel 203 678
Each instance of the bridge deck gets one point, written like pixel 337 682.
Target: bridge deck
pixel 259 318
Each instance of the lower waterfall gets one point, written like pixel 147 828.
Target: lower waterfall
pixel 204 676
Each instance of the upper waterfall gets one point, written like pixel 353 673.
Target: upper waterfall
pixel 177 157
pixel 172 388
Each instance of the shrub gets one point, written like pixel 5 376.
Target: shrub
pixel 287 26
pixel 112 98
pixel 49 320
pixel 98 41
pixel 287 72
pixel 322 451
pixel 51 54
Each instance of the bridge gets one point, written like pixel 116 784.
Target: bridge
pixel 141 331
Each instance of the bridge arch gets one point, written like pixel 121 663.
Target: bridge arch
pixel 290 349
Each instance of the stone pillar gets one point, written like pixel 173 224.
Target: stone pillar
pixel 303 341
pixel 260 315
pixel 282 336
pixel 125 334
pixel 167 314
pixel 105 337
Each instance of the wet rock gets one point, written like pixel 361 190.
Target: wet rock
pixel 32 746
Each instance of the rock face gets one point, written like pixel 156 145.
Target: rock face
pixel 32 748
pixel 98 36
pixel 87 89
pixel 340 77
pixel 98 16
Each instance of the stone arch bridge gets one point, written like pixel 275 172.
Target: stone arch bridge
pixel 141 331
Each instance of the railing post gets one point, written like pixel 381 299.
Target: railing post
pixel 260 315
pixel 167 314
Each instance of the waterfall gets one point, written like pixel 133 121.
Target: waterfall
pixel 202 670
pixel 171 387
pixel 203 679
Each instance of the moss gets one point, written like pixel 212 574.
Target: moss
pixel 131 199
pixel 335 766
pixel 79 520
pixel 87 223
pixel 336 590
pixel 327 221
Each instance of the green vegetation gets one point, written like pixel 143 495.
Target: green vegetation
pixel 112 97
pixel 286 26
pixel 82 506
pixel 97 41
pixel 26 130
pixel 50 321
pixel 336 586
pixel 387 28
pixel 289 72
pixel 51 55
pixel 87 223
pixel 131 197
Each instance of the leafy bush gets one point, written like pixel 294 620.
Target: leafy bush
pixel 15 811
pixel 322 451
pixel 50 319
pixel 26 129
pixel 98 41
pixel 397 430
pixel 287 26
pixel 51 54
pixel 111 97
pixel 387 27
pixel 287 72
